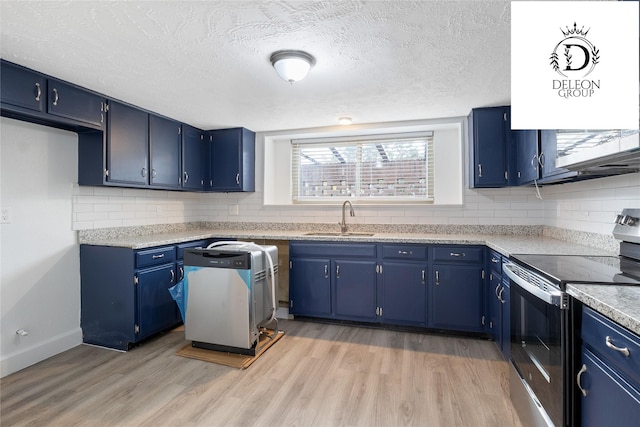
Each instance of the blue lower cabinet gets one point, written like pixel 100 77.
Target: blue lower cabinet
pixel 156 309
pixel 125 294
pixel 404 293
pixel 355 289
pixel 310 287
pixel 610 400
pixel 608 379
pixel 455 298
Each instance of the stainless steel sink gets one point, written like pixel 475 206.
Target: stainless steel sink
pixel 336 233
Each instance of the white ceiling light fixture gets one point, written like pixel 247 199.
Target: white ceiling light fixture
pixel 292 65
pixel 345 121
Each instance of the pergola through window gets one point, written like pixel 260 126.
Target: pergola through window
pixel 394 168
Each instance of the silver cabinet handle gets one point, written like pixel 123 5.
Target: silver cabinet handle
pixel 623 350
pixel 55 96
pixel 579 379
pixel 38 91
pixel 541 160
pixel 500 295
pixel 186 177
pixel 496 291
pixel 423 277
pixel 143 172
pixel 437 277
pixel 457 254
pixel 479 170
pixel 181 273
pixel 534 159
pixel 153 173
pixel 173 275
pixel 238 178
pixel 326 271
pixel 337 271
pixel 157 256
pixel 494 260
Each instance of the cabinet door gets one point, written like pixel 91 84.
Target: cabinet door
pixel 310 287
pixel 232 156
pixel 165 142
pixel 495 308
pixel 75 103
pixel 610 400
pixel 527 155
pixel 456 297
pixel 548 155
pixel 156 309
pixel 193 158
pixel 127 145
pixel 21 87
pixel 489 134
pixel 505 300
pixel 404 293
pixel 355 289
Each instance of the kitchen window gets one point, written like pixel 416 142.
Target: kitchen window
pixel 380 168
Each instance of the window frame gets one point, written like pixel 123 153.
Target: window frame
pixel 358 141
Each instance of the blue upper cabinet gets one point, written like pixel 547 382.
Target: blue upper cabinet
pixel 74 103
pixel 548 155
pixel 491 141
pixel 194 150
pixel 127 145
pixel 22 88
pixel 528 160
pixel 232 160
pixel 24 94
pixel 165 143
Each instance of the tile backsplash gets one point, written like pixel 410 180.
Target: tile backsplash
pixel 588 206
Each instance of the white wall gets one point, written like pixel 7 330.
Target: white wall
pixel 39 256
pixel 591 205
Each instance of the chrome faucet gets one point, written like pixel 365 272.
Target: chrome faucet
pixel 343 224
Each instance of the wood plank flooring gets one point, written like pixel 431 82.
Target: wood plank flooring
pixel 316 375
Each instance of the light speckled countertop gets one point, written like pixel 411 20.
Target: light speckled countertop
pixel 620 303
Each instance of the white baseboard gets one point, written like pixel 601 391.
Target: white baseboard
pixel 18 360
pixel 282 313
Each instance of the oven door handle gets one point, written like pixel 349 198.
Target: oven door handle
pixel 550 296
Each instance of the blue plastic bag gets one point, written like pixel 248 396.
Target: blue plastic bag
pixel 177 292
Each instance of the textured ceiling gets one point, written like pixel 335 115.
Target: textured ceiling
pixel 207 63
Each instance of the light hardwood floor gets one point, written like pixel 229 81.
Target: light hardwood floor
pixel 316 375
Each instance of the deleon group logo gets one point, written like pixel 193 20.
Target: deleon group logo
pixel 574 58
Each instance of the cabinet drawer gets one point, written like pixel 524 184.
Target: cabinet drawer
pixel 404 252
pixel 189 245
pixel 155 256
pixel 495 261
pixel 601 335
pixel 457 253
pixel 333 250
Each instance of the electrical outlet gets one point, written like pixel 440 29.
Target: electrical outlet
pixel 159 210
pixel 233 210
pixel 5 216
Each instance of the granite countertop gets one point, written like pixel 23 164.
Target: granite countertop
pixel 619 303
pixel 505 244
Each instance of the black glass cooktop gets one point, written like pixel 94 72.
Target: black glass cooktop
pixel 563 269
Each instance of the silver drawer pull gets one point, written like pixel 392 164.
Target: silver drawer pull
pixel 494 260
pixel 405 252
pixel 173 276
pixel 457 254
pixel 38 91
pixel 623 350
pixel 579 379
pixel 55 97
pixel 157 256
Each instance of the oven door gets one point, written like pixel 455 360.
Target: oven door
pixel 537 350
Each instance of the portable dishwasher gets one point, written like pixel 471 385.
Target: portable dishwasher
pixel 230 293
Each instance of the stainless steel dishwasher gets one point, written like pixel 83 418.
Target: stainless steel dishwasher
pixel 230 294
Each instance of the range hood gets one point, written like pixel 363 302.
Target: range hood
pixel 588 152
